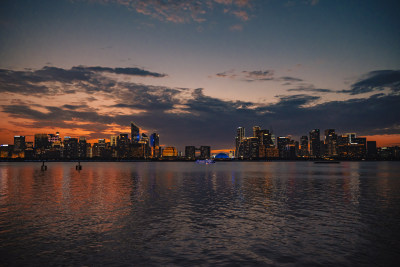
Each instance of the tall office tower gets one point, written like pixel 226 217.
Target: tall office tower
pixel 155 145
pixel 330 142
pixel 113 140
pixel 82 147
pixel 190 152
pixel 145 144
pixel 123 146
pixel 70 148
pixel 239 137
pixel 205 152
pixel 283 143
pixel 315 143
pixel 255 130
pixel 304 145
pixel 102 147
pixel 41 143
pixel 135 133
pixel 264 138
pixel 19 143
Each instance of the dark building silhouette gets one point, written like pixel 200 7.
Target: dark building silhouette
pixel 190 152
pixel 41 144
pixel 82 147
pixel 155 145
pixel 205 152
pixel 70 148
pixel 19 143
pixel 372 152
pixel 123 146
pixel 135 133
pixel 304 146
pixel 330 143
pixel 315 143
pixel 240 134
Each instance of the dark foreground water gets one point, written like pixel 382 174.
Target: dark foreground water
pixel 181 213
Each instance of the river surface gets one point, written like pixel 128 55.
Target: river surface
pixel 185 214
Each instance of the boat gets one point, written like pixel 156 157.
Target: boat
pixel 205 161
pixel 327 161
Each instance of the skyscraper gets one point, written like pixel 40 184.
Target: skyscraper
pixel 155 145
pixel 190 152
pixel 255 130
pixel 135 133
pixel 304 145
pixel 239 138
pixel 330 142
pixel 19 143
pixel 205 152
pixel 82 147
pixel 315 143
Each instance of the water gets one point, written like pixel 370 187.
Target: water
pixel 182 213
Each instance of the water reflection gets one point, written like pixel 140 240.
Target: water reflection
pixel 181 213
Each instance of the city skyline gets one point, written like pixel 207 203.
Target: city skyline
pixel 192 71
pixel 262 144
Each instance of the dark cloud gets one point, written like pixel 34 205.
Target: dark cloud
pixel 32 82
pixel 248 76
pixel 127 71
pixel 310 88
pixel 290 79
pixel 376 81
pixel 256 75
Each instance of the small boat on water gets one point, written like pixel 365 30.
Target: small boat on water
pixel 205 161
pixel 326 161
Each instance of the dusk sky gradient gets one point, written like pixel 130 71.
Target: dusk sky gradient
pixel 193 71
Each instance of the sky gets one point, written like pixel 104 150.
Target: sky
pixel 193 71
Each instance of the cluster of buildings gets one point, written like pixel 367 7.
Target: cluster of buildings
pixel 139 146
pixel 264 145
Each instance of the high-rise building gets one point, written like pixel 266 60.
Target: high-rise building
pixel 70 148
pixel 155 145
pixel 135 133
pixel 41 144
pixel 205 152
pixel 315 143
pixel 19 143
pixel 123 146
pixel 190 152
pixel 330 143
pixel 240 134
pixel 82 147
pixel 113 140
pixel 255 130
pixel 283 143
pixel 304 146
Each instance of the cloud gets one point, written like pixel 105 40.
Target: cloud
pixel 183 11
pixel 242 15
pixel 35 82
pixel 184 116
pixel 290 79
pixel 310 88
pixel 378 80
pixel 256 75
